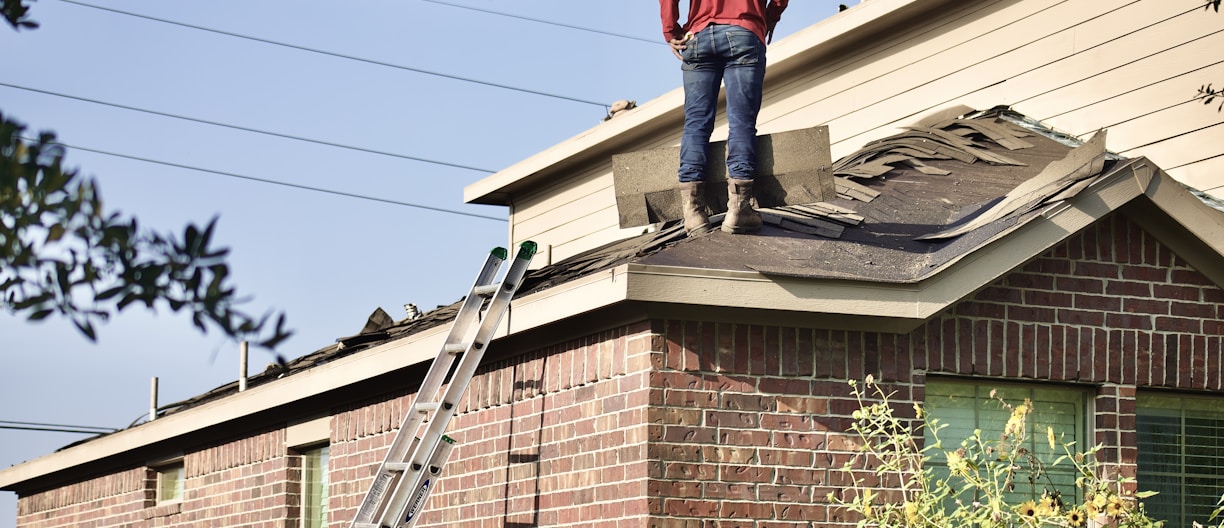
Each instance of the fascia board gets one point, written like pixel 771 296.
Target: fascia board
pixel 736 289
pixel 1203 221
pixel 591 292
pixel 664 112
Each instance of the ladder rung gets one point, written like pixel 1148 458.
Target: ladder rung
pixel 487 290
pixel 365 525
pixel 455 348
pixel 397 466
pixel 426 407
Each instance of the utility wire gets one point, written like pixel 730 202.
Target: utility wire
pixel 549 22
pixel 343 56
pixel 275 182
pixel 246 129
pixel 60 428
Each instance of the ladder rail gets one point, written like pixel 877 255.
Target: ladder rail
pixel 387 479
pixel 408 489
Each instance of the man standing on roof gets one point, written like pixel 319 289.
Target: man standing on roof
pixel 722 41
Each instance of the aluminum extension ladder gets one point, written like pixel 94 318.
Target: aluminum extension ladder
pixel 416 457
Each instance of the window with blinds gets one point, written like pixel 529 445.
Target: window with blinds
pixel 1181 456
pixel 170 482
pixel 963 406
pixel 314 487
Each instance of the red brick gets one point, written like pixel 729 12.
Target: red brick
pixel 1081 317
pixel 1145 273
pixel 1079 285
pixel 1189 276
pixel 1097 270
pixel 804 352
pixel 1178 325
pixel 996 294
pixel 1030 281
pixel 1032 314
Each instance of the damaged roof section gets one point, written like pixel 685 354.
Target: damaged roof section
pixel 920 200
pixel 793 189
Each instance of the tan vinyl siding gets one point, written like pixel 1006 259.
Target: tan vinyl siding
pixel 572 217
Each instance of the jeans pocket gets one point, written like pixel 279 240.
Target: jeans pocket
pixel 689 53
pixel 745 48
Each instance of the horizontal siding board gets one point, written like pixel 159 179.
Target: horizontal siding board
pixel 578 210
pixel 1129 137
pixel 1183 149
pixel 562 233
pixel 1183 64
pixel 845 86
pixel 592 238
pixel 1098 38
pixel 1123 64
pixel 1009 48
pixel 565 191
pixel 1203 174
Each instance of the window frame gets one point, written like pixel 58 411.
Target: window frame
pixel 164 469
pixel 1154 404
pixel 1083 423
pixel 321 454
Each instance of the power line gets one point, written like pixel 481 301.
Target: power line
pixel 549 22
pixel 343 56
pixel 59 428
pixel 247 129
pixel 276 182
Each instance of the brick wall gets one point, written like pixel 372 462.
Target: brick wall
pixel 245 482
pixel 747 421
pixel 554 437
pixel 691 424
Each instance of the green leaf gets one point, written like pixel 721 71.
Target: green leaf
pixel 55 233
pixel 41 314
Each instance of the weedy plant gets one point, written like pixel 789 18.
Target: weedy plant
pixel 906 475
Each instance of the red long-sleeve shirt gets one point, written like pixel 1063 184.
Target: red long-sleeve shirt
pixel 758 16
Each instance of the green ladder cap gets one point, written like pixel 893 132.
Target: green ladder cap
pixel 448 439
pixel 527 249
pixel 500 252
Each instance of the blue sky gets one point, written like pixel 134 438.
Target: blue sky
pixel 327 261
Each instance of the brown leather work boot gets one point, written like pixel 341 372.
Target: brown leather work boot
pixel 696 218
pixel 741 217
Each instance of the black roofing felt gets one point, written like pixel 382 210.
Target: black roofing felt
pixel 912 203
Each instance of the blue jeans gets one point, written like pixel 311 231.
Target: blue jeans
pixel 721 53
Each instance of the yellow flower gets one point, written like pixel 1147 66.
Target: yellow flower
pixel 1115 507
pixel 1091 509
pixel 1050 436
pixel 1099 500
pixel 911 512
pixel 1075 518
pixel 1047 506
pixel 956 463
pixel 1027 509
pixel 1015 424
pixel 917 411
